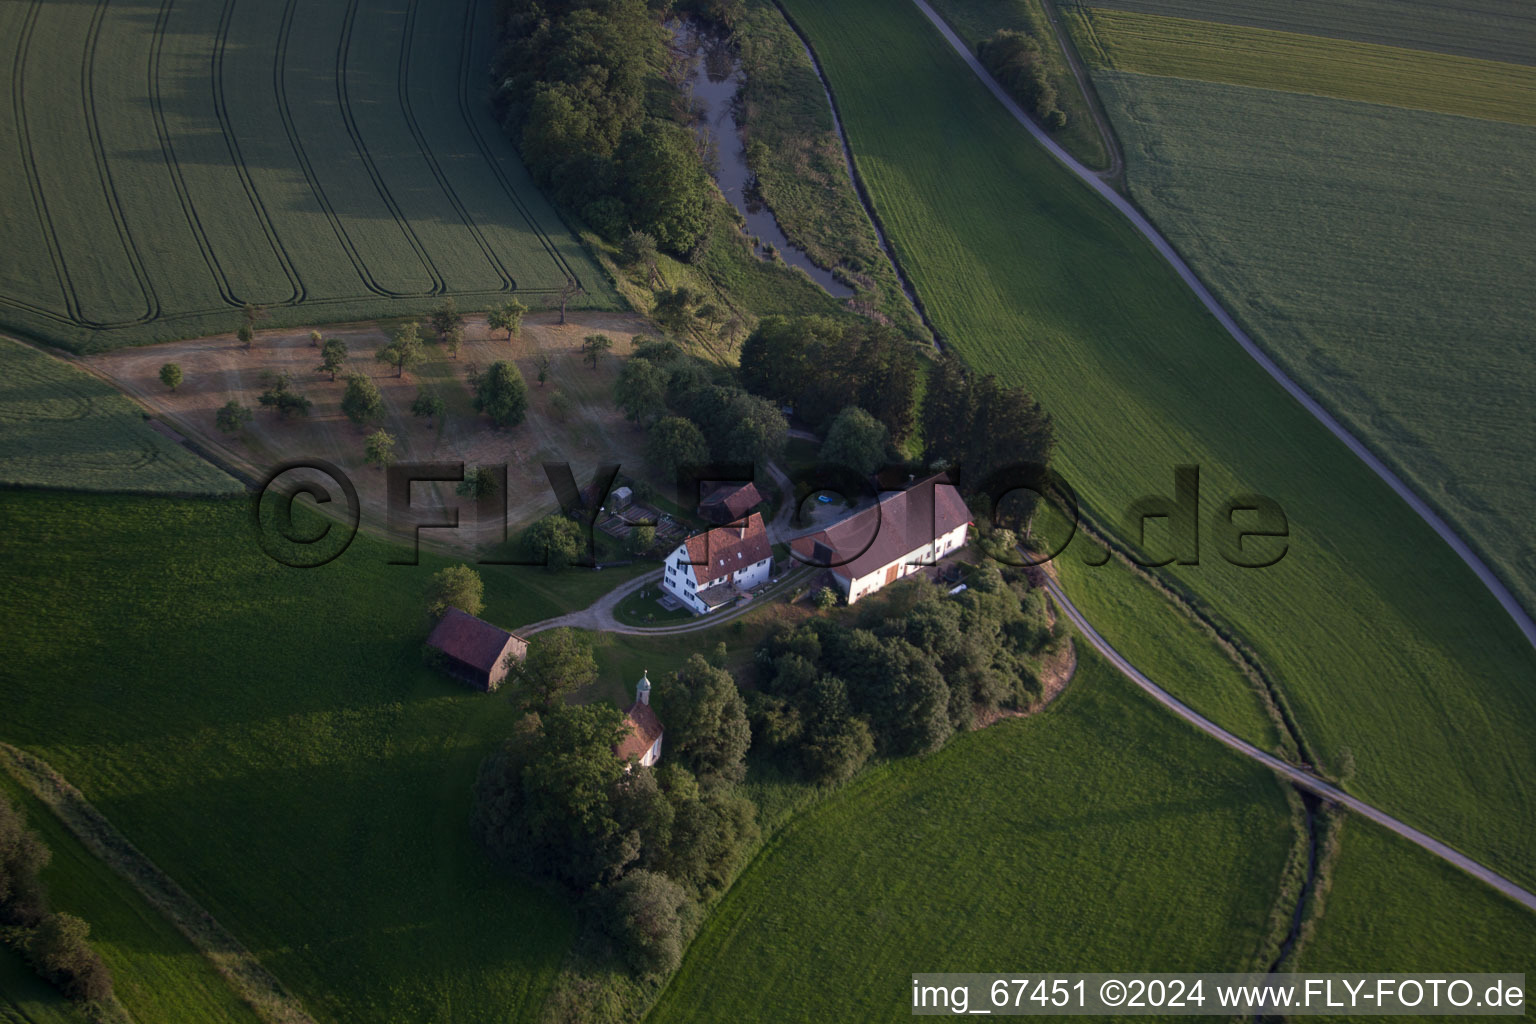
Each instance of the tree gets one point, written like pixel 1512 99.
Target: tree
pixel 836 751
pixel 640 539
pixel 673 443
pixel 60 948
pixel 507 317
pixel 362 401
pixel 826 599
pixel 638 248
pixel 644 913
pixel 673 309
pixel 280 397
pixel 428 404
pixel 641 391
pixel 856 440
pixel 542 362
pixel 453 340
pixel 379 448
pixel 593 346
pixel 559 661
pixel 555 540
pixel 501 394
pixel 706 719
pixel 247 336
pixel 560 405
pixel 314 340
pixel 457 586
pixel 170 376
pixel 477 483
pixel 665 185
pixel 333 356
pixel 231 417
pixel 404 350
pixel 22 857
pixel 446 317
pixel 253 313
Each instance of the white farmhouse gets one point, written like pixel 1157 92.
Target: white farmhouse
pixel 896 536
pixel 710 568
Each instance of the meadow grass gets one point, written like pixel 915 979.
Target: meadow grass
pixel 1096 835
pixel 271 740
pixel 1492 29
pixel 975 20
pixel 27 999
pixel 157 975
pixel 333 161
pixel 62 427
pixel 1289 61
pixel 1392 654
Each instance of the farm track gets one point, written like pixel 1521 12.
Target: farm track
pixel 1165 249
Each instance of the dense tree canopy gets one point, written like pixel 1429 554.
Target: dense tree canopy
pixel 856 440
pixel 457 586
pixel 558 662
pixel 706 719
pixel 501 394
pixel 555 540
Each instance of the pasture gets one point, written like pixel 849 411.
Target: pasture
pixel 61 427
pixel 1492 29
pixel 1289 61
pixel 270 739
pixel 1394 657
pixel 1098 832
pixel 162 165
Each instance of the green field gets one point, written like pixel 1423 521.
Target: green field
pixel 1289 61
pixel 162 165
pixel 62 427
pixel 1392 654
pixel 1492 29
pixel 156 973
pixel 1097 835
pixel 269 738
pixel 27 999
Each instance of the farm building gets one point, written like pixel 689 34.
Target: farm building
pixel 888 540
pixel 710 568
pixel 642 741
pixel 475 651
pixel 730 502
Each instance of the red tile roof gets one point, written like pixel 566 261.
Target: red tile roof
pixel 723 550
pixel 897 525
pixel 729 502
pixel 644 729
pixel 470 640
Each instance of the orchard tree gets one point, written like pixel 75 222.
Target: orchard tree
pixel 856 440
pixel 362 402
pixel 507 317
pixel 314 339
pixel 170 376
pixel 231 417
pixel 454 340
pixel 673 443
pixel 247 336
pixel 501 394
pixel 542 362
pixel 404 350
pixel 333 356
pixel 593 346
pixel 379 448
pixel 558 662
pixel 457 586
pixel 428 404
pixel 641 391
pixel 560 405
pixel 446 317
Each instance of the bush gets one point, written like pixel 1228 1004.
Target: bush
pixel 22 857
pixel 231 417
pixel 645 913
pixel 61 951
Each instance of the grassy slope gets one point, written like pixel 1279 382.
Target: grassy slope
pixel 168 206
pixel 1266 59
pixel 27 999
pixel 1494 29
pixel 1098 835
pixel 1384 642
pixel 975 20
pixel 157 974
pixel 61 427
pixel 269 738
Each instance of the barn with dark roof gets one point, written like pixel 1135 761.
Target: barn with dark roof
pixel 473 650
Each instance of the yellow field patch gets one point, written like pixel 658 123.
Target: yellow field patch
pixel 1292 62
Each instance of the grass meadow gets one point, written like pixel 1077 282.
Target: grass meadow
pixel 1492 29
pixel 269 737
pixel 1395 659
pixel 1292 62
pixel 1097 835
pixel 27 999
pixel 62 427
pixel 160 166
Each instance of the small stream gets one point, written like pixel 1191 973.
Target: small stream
pixel 713 80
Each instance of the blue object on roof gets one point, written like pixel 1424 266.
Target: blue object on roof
pixel 825 499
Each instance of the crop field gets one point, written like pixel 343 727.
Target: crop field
pixel 592 432
pixel 269 738
pixel 1098 832
pixel 157 974
pixel 1394 657
pixel 162 165
pixel 1289 61
pixel 62 427
pixel 1493 29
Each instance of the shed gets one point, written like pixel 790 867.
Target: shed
pixel 730 502
pixel 475 651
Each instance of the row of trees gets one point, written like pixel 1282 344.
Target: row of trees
pixel 1015 59
pixel 644 846
pixel 574 77
pixel 58 945
pixel 902 682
